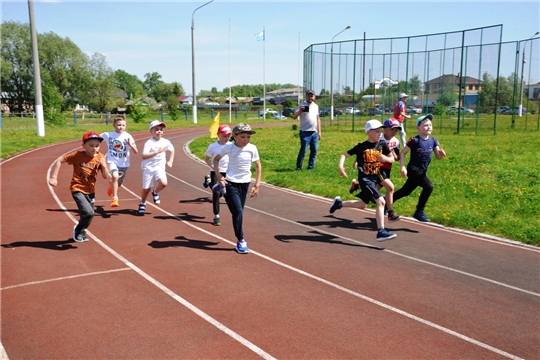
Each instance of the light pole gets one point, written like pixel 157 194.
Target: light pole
pixel 332 74
pixel 194 97
pixel 522 73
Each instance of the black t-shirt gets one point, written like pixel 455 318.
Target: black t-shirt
pixel 366 156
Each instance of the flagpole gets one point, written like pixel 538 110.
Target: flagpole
pixel 230 91
pixel 264 70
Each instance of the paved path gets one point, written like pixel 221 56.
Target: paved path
pixel 315 286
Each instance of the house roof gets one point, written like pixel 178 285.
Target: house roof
pixel 446 79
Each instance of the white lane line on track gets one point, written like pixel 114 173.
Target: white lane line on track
pixel 341 288
pixel 64 278
pixel 363 243
pixel 162 287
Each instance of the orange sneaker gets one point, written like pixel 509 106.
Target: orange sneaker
pixel 109 190
pixel 114 202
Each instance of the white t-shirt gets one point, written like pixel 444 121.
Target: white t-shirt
pixel 240 160
pixel 308 120
pixel 118 150
pixel 213 150
pixel 158 161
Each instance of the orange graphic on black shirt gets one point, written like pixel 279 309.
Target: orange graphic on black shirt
pixel 371 164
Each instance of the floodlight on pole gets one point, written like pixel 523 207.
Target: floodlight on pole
pixel 332 74
pixel 194 96
pixel 522 73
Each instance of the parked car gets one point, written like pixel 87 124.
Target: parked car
pixel 467 110
pixel 502 109
pixel 413 110
pixel 515 110
pixel 352 110
pixel 326 112
pixel 267 111
pixel 288 112
pixel 373 111
pixel 278 116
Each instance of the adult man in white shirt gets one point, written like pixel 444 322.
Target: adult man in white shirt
pixel 310 130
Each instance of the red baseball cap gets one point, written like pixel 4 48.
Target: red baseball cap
pixel 224 130
pixel 91 135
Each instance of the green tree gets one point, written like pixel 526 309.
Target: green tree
pixel 100 96
pixel 139 109
pixel 16 67
pixel 129 83
pixel 151 80
pixel 415 85
pixel 52 102
pixel 490 97
pixel 172 102
pixel 178 90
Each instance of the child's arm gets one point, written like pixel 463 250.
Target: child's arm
pixel 153 153
pixel 53 181
pixel 439 153
pixel 208 161
pixel 171 158
pixel 219 178
pixel 255 188
pixel 341 162
pixel 402 156
pixel 132 145
pixel 105 168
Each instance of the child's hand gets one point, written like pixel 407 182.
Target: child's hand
pixel 254 191
pixel 342 172
pixel 442 153
pixel 169 164
pixel 355 165
pixel 53 182
pixel 403 171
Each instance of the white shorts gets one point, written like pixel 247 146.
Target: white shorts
pixel 149 177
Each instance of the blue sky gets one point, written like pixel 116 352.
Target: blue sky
pixel 142 36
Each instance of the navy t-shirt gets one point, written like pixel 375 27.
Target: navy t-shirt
pixel 366 156
pixel 421 150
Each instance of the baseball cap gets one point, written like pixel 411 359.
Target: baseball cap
pixel 242 128
pixel 421 118
pixel 155 123
pixel 91 135
pixel 373 124
pixel 392 123
pixel 310 92
pixel 402 95
pixel 224 129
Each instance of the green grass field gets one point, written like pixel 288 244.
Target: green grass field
pixel 487 183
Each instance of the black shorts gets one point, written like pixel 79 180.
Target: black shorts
pixel 368 188
pixel 385 173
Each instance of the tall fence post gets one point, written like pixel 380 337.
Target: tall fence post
pixel 74 117
pixel 107 117
pixel 162 116
pixel 187 113
pixel 212 111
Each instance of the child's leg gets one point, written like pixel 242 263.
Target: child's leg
pixel 354 204
pixel 114 183
pixel 389 186
pixel 402 137
pixel 147 183
pixel 236 198
pixel 161 182
pixel 379 212
pixel 427 189
pixel 86 210
pixel 144 195
pixel 406 189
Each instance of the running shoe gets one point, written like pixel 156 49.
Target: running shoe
pixel 336 204
pixel 217 221
pixel 392 216
pixel 421 216
pixel 241 247
pixel 383 235
pixel 142 208
pixel 109 190
pixel 206 182
pixel 114 202
pixel 156 197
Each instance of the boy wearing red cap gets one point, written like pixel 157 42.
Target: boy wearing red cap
pixel 86 165
pixel 224 133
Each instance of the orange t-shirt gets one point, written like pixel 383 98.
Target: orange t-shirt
pixel 85 171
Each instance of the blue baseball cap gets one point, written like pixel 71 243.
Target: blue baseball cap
pixel 422 118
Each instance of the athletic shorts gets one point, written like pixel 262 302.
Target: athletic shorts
pixel 368 187
pixel 150 177
pixel 121 170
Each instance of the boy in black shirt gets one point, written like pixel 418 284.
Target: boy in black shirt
pixel 369 155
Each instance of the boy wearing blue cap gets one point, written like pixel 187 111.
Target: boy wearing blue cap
pixel 369 155
pixel 422 146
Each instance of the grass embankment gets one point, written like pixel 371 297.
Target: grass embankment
pixel 487 183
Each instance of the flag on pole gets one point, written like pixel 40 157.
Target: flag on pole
pixel 214 127
pixel 260 36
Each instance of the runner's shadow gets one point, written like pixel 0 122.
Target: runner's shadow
pixel 185 217
pixel 50 245
pixel 108 213
pixel 197 200
pixel 343 223
pixel 188 243
pixel 320 237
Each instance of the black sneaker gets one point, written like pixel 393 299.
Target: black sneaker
pixel 78 235
pixel 206 182
pixel 336 204
pixel 392 216
pixel 421 216
pixel 383 235
pixel 217 221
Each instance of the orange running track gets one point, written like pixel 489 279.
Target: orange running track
pixel 169 285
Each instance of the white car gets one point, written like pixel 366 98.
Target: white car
pixel 352 110
pixel 413 110
pixel 278 116
pixel 273 112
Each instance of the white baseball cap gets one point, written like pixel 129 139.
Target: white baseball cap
pixel 373 125
pixel 155 123
pixel 402 95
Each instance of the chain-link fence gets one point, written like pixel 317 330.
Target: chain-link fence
pixel 470 80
